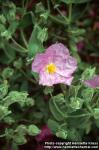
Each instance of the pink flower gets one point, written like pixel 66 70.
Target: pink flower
pixel 94 82
pixel 55 65
pixel 92 13
pixel 45 134
pixel 96 25
pixel 80 46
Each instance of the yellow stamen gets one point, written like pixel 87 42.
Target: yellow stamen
pixel 51 68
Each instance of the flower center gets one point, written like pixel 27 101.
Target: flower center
pixel 51 68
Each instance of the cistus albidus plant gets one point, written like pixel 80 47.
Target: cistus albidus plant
pixel 46 91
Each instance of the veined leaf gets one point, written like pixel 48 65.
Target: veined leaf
pixel 35 46
pixel 57 107
pixel 75 1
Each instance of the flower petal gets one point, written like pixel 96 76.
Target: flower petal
pixel 51 79
pixel 66 66
pixel 94 82
pixel 44 135
pixel 41 60
pixel 38 62
pixel 58 49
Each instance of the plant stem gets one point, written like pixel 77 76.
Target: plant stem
pixel 24 39
pixel 77 116
pixel 48 5
pixel 18 45
pixel 59 37
pixel 70 15
pixel 29 79
pixel 96 97
pixel 57 106
pixel 56 20
pixel 3 135
pixel 62 125
pixel 65 18
pixel 89 108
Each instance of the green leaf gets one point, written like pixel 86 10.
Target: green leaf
pixel 30 102
pixel 57 107
pixel 76 103
pixel 88 73
pixel 79 120
pixel 33 130
pixel 39 7
pixel 74 1
pixel 12 28
pixel 9 133
pixel 37 115
pixel 74 90
pixel 59 98
pixel 14 146
pixel 62 134
pixel 27 20
pixel 87 94
pixel 18 63
pixel 3 89
pixel 2 29
pixel 34 45
pixel 21 129
pixel 9 53
pixel 35 75
pixel 73 46
pixel 53 125
pixel 7 73
pixel 9 120
pixel 9 11
pixel 88 127
pixel 42 35
pixel 17 97
pixel 2 19
pixel 97 122
pixel 58 129
pixel 10 31
pixel 19 135
pixel 4 112
pixel 45 15
pixel 96 113
pixel 19 139
pixel 74 135
pixel 48 90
